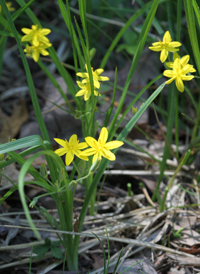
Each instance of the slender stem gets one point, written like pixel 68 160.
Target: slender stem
pixel 172 179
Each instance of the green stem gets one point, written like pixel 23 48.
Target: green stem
pixel 170 122
pixel 162 207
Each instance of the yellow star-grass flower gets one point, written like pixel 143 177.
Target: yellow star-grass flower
pixel 101 148
pixel 9 6
pixel 71 148
pixel 165 46
pixel 34 52
pixel 179 74
pixel 86 90
pixel 183 61
pixel 35 35
pixel 95 74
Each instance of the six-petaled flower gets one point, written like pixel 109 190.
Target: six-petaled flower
pixel 165 46
pixel 183 61
pixel 9 6
pixel 100 148
pixel 179 74
pixel 71 148
pixel 86 90
pixel 39 43
pixel 34 52
pixel 96 76
pixel 35 35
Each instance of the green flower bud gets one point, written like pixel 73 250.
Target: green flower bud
pixel 134 110
pixel 43 170
pixel 92 53
pixel 34 202
pixel 95 165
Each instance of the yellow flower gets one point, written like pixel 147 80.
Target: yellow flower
pixel 70 148
pixel 165 46
pixel 9 6
pixel 183 61
pixel 101 148
pixel 34 52
pixel 35 35
pixel 95 74
pixel 86 90
pixel 179 74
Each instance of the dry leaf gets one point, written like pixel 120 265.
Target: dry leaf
pixel 10 125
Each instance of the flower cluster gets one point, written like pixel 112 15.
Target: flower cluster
pixel 85 84
pixel 99 148
pixel 9 6
pixel 39 42
pixel 180 67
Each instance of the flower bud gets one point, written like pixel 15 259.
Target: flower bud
pixel 43 170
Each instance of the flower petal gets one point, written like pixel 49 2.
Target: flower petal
pixel 78 153
pixel 192 70
pixel 187 77
pixel 169 64
pixel 92 142
pixel 69 158
pixel 80 93
pixel 103 78
pixel 96 93
pixel 88 152
pixel 98 71
pixel 73 140
pixel 61 151
pixel 170 80
pixel 163 55
pixel 43 39
pixel 179 84
pixel 184 60
pixel 174 44
pixel 35 41
pixel 35 55
pixel 103 136
pixel 186 69
pixel 83 74
pixel 27 37
pixel 108 154
pixel 113 144
pixel 87 95
pixel 168 73
pixel 60 142
pixel 82 145
pixel 45 31
pixel 157 48
pixel 44 52
pixel 175 55
pixel 96 155
pixel 177 64
pixel 26 31
pixel 167 37
pixel 155 44
pixel 96 83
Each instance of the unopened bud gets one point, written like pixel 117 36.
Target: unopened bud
pixel 43 170
pixel 134 110
pixel 34 202
pixel 77 114
pixel 61 174
pixel 95 165
pixel 92 53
